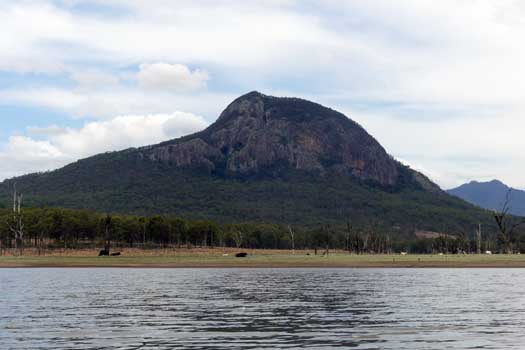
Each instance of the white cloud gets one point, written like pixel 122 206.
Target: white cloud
pixel 126 131
pixel 49 97
pixel 88 80
pixel 60 146
pixel 24 147
pixel 24 155
pixel 440 83
pixel 51 130
pixel 98 94
pixel 170 77
pixel 236 36
pixel 454 151
pixel 119 100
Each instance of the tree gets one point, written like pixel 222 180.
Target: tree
pixel 16 225
pixel 143 221
pixel 505 225
pixel 237 237
pixel 478 239
pixel 348 232
pixel 108 230
pixel 159 230
pixel 179 229
pixel 292 236
pixel 201 233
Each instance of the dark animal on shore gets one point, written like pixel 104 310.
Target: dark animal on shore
pixel 103 252
pixel 115 254
pixel 241 255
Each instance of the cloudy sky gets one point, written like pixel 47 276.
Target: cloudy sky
pixel 441 84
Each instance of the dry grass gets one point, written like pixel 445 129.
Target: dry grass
pixel 224 257
pixel 138 252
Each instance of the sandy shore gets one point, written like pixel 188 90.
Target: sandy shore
pixel 225 258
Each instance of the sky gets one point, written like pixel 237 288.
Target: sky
pixel 440 84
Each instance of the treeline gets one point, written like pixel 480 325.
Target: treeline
pixel 67 228
pixel 74 229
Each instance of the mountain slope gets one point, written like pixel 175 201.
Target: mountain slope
pixel 491 195
pixel 282 160
pixel 265 135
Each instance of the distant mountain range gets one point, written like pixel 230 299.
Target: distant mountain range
pixel 491 195
pixel 265 159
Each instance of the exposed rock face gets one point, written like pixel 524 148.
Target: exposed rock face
pixel 259 134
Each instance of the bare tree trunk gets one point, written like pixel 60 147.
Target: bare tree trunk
pixel 238 238
pixel 478 236
pixel 347 237
pixel 502 221
pixel 17 226
pixel 292 235
pixel 144 235
pixel 365 242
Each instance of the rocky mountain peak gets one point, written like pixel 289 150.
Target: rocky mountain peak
pixel 259 134
pixel 264 107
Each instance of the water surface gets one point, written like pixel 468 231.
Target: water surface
pixel 262 308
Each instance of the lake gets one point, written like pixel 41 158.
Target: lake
pixel 262 308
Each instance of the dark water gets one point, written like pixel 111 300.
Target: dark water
pixel 262 308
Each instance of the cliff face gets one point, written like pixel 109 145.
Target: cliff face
pixel 262 134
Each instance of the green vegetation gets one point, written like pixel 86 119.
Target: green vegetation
pixel 298 199
pixel 49 229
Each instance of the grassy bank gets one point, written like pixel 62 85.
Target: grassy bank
pixel 256 258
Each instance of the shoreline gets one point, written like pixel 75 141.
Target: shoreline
pixel 5 267
pixel 256 259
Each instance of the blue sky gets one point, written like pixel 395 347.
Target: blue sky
pixel 439 83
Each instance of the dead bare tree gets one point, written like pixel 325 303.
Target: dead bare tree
pixel 40 243
pixel 292 236
pixel 237 237
pixel 506 229
pixel 478 236
pixel 108 226
pixel 347 236
pixel 144 233
pixel 16 226
pixel 365 242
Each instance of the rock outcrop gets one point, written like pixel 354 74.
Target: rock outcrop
pixel 258 134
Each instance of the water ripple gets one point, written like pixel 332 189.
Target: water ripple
pixel 261 308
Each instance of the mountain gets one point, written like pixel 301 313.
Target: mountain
pixel 491 195
pixel 265 159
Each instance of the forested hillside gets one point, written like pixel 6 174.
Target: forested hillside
pixel 267 160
